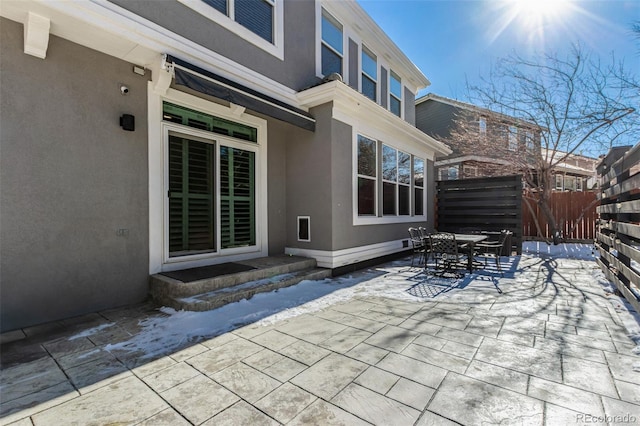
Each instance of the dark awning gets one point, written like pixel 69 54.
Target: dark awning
pixel 206 82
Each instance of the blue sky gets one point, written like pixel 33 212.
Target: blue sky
pixel 454 40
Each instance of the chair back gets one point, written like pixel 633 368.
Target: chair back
pixel 444 243
pixel 416 238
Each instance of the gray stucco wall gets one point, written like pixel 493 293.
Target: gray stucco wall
pixel 297 71
pixel 309 177
pixel 70 178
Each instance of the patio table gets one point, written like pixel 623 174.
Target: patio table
pixel 470 240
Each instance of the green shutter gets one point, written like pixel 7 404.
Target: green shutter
pixel 237 197
pixel 191 196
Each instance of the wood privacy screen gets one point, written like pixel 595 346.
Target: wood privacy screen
pixel 618 233
pixel 485 204
pixel 567 208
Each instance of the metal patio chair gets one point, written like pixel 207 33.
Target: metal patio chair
pixel 493 248
pixel 444 249
pixel 418 245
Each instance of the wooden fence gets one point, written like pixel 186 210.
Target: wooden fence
pixel 618 228
pixel 567 208
pixel 488 204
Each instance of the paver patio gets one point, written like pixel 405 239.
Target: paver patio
pixel 543 345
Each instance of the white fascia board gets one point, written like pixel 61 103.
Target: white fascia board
pixel 108 28
pixel 352 15
pixel 353 108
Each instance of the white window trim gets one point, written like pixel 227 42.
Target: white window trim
pixel 322 43
pixel 482 127
pixel 391 95
pixel 376 81
pixel 559 179
pixel 358 175
pixel 393 182
pixel 276 49
pixel 466 168
pixel 319 43
pixel 159 260
pixel 512 138
pixel 380 219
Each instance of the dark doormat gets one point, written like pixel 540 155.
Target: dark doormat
pixel 204 272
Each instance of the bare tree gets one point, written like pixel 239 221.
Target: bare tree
pixel 544 110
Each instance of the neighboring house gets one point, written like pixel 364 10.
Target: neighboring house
pixel 573 173
pixel 438 116
pixel 148 136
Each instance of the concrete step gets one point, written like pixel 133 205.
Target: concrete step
pixel 165 290
pixel 216 298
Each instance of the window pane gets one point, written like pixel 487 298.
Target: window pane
pixel 237 198
pixel 366 197
pixel 404 196
pixel 394 106
pixel 389 198
pixel 513 138
pixel 220 5
pixel 256 15
pixel 419 202
pixel 191 196
pixel 396 85
pixel 369 64
pixel 368 88
pixel 418 172
pixel 366 156
pixel 331 32
pixel 404 168
pixel 389 163
pixel 331 61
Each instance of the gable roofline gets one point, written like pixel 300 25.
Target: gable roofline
pixel 475 109
pixel 352 15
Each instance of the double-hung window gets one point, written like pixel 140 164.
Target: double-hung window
pixel 367 176
pixel 482 127
pixel 528 139
pixel 389 180
pixel 369 74
pixel 395 94
pixel 332 51
pixel 418 186
pixel 513 138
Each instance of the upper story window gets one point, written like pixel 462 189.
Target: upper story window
pixel 513 138
pixel 482 127
pixel 369 74
pixel 255 15
pixel 260 22
pixel 332 43
pixel 528 139
pixel 395 94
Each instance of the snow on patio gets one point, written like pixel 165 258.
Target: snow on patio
pixel 172 330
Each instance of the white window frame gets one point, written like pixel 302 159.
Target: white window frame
pixel 379 218
pixel 578 184
pixel 466 169
pixel 392 95
pixel 394 183
pixel 446 170
pixel 228 21
pixel 528 137
pixel 559 182
pixel 512 137
pixel 324 12
pixel 375 179
pixel 482 127
pixel 365 50
pixel 159 259
pixel 410 185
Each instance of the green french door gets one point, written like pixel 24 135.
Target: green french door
pixel 194 197
pixel 191 196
